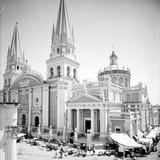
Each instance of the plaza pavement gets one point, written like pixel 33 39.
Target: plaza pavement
pixel 27 152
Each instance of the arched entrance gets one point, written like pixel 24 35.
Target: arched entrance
pixel 36 121
pixel 23 119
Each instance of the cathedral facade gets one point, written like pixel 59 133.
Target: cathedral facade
pixel 110 104
pixel 42 101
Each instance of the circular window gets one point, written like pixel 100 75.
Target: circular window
pixel 36 100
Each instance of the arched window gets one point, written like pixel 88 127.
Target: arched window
pixel 74 73
pixel 23 119
pixel 36 121
pixel 51 72
pixel 59 71
pixel 126 82
pixel 9 82
pixel 17 67
pixel 114 80
pixel 120 81
pixel 68 71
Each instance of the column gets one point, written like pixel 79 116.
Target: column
pixel 69 122
pixel 101 122
pixel 131 126
pixel 137 119
pixel 92 121
pixel 77 120
pixel 64 134
pixel 106 121
pixel 39 131
pixel 30 106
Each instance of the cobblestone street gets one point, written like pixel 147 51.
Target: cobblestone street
pixel 27 152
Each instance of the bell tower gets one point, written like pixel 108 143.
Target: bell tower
pixel 15 59
pixel 62 63
pixel 62 67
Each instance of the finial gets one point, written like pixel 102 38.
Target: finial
pixel 112 47
pixel 16 23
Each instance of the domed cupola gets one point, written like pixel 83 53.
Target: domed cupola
pixel 113 58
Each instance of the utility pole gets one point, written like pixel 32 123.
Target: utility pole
pixel 1 11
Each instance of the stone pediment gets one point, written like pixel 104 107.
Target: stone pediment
pixel 26 80
pixel 85 98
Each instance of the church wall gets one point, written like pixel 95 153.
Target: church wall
pixel 53 108
pixel 54 65
pixel 70 74
pixel 13 96
pixel 61 94
pixel 37 104
pixel 23 99
pixel 1 96
pixel 119 124
pixel 37 97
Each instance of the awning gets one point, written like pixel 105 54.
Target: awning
pixel 124 139
pixel 20 135
pixel 152 134
pixel 140 134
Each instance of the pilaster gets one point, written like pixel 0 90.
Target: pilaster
pixel 45 106
pixel 61 93
pixel 69 125
pixel 102 122
pixel 92 120
pixel 30 105
pixel 77 120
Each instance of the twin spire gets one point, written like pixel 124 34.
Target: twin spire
pixel 15 52
pixel 62 33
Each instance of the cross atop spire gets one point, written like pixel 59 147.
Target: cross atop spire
pixel 63 32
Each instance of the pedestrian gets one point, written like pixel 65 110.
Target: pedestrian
pixel 61 152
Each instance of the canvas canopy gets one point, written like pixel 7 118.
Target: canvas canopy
pixel 20 135
pixel 153 133
pixel 140 134
pixel 124 139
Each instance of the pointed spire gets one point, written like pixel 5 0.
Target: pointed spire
pixel 53 33
pixel 63 29
pixel 16 52
pixel 8 54
pixel 73 34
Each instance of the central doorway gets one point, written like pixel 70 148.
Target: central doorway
pixel 36 121
pixel 23 119
pixel 87 125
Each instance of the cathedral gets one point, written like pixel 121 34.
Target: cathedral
pixel 110 104
pixel 42 101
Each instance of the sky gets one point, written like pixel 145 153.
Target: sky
pixel 131 27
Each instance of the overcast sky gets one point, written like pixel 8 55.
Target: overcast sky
pixel 131 26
